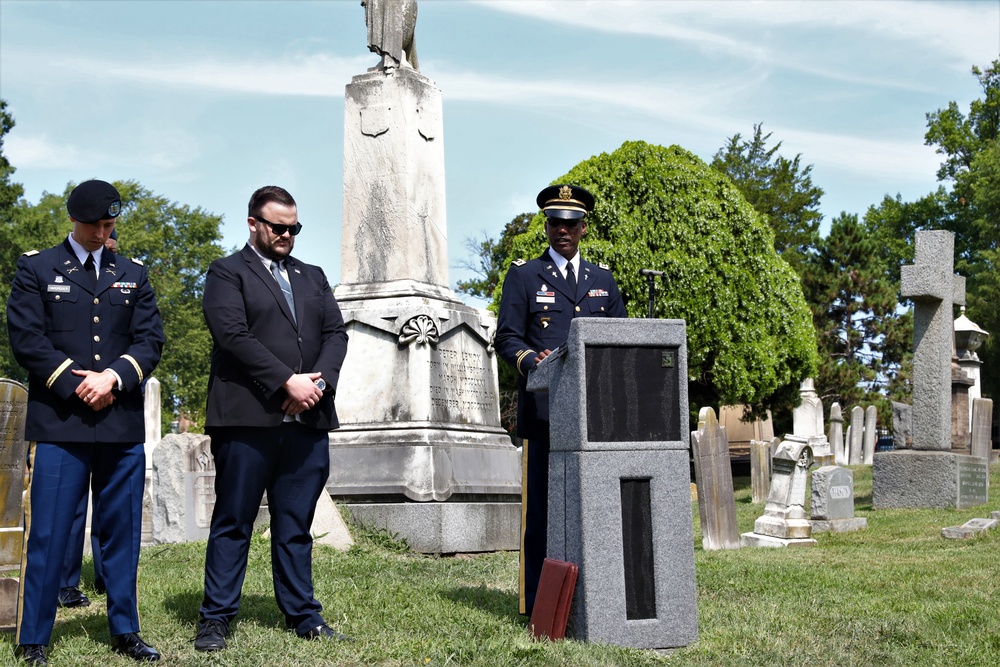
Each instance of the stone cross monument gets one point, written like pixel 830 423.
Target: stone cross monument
pixel 930 475
pixel 420 450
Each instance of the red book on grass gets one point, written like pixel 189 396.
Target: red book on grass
pixel 553 599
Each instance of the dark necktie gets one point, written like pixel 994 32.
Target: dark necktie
pixel 89 267
pixel 571 277
pixel 286 289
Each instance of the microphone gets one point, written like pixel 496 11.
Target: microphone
pixel 650 272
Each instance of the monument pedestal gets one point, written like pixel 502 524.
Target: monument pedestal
pixel 928 480
pixel 420 451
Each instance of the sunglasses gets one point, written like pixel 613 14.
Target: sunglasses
pixel 279 230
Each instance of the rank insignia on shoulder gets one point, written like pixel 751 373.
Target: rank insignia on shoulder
pixel 30 253
pixel 519 262
pixel 604 266
pixel 136 261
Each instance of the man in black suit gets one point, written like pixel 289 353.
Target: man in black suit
pixel 279 342
pixel 540 299
pixel 85 325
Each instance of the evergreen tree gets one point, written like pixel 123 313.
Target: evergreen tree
pixel 778 188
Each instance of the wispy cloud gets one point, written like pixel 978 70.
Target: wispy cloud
pixel 963 32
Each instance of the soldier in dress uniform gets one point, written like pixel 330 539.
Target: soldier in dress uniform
pixel 540 298
pixel 84 323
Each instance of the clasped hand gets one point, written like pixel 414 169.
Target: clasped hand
pixel 95 390
pixel 302 393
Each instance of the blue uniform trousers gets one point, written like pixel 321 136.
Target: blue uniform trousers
pixel 74 549
pixel 292 463
pixel 59 479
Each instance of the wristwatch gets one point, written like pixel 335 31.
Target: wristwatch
pixel 321 383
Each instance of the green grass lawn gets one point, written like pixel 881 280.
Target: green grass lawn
pixel 894 594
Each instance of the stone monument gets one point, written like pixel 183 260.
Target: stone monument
pixel 969 337
pixel 930 475
pixel 13 454
pixel 714 476
pixel 420 450
pixel 619 479
pixel 836 435
pixel 871 433
pixel 856 436
pixel 784 522
pixel 807 423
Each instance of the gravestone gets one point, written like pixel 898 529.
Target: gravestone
pixel 807 418
pixel 982 422
pixel 969 529
pixel 183 488
pixel 902 419
pixel 931 475
pixel 740 433
pixel 13 454
pixel 420 450
pixel 871 433
pixel 784 522
pixel 619 479
pixel 832 506
pixel 714 475
pixel 961 408
pixel 856 436
pixel 807 421
pixel 760 470
pixel 9 587
pixel 836 436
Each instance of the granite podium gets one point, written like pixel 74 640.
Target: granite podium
pixel 619 479
pixel 420 450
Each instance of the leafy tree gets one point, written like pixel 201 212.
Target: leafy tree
pixel 750 338
pixel 487 263
pixel 176 244
pixel 970 145
pixel 863 341
pixel 778 188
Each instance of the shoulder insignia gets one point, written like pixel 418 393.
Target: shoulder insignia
pixel 519 262
pixel 136 261
pixel 604 266
pixel 31 253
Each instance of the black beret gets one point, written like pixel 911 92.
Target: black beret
pixel 569 202
pixel 94 200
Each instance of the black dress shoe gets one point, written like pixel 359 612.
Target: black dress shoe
pixel 131 644
pixel 211 636
pixel 33 654
pixel 325 632
pixel 71 596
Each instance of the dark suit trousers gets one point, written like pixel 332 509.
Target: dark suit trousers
pixel 59 479
pixel 74 550
pixel 292 463
pixel 534 518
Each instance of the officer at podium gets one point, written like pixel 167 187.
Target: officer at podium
pixel 540 298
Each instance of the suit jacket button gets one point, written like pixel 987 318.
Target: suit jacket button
pixel 97 339
pixel 97 320
pixel 578 309
pixel 96 301
pixel 300 339
pixel 57 297
pixel 97 357
pixel 545 307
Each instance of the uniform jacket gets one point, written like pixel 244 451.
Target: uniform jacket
pixel 536 308
pixel 258 346
pixel 58 321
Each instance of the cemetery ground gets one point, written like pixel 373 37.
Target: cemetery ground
pixel 897 593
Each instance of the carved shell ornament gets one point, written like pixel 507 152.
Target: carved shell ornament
pixel 421 329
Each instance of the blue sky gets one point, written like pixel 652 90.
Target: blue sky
pixel 204 101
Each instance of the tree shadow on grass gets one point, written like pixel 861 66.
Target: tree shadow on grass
pixel 499 603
